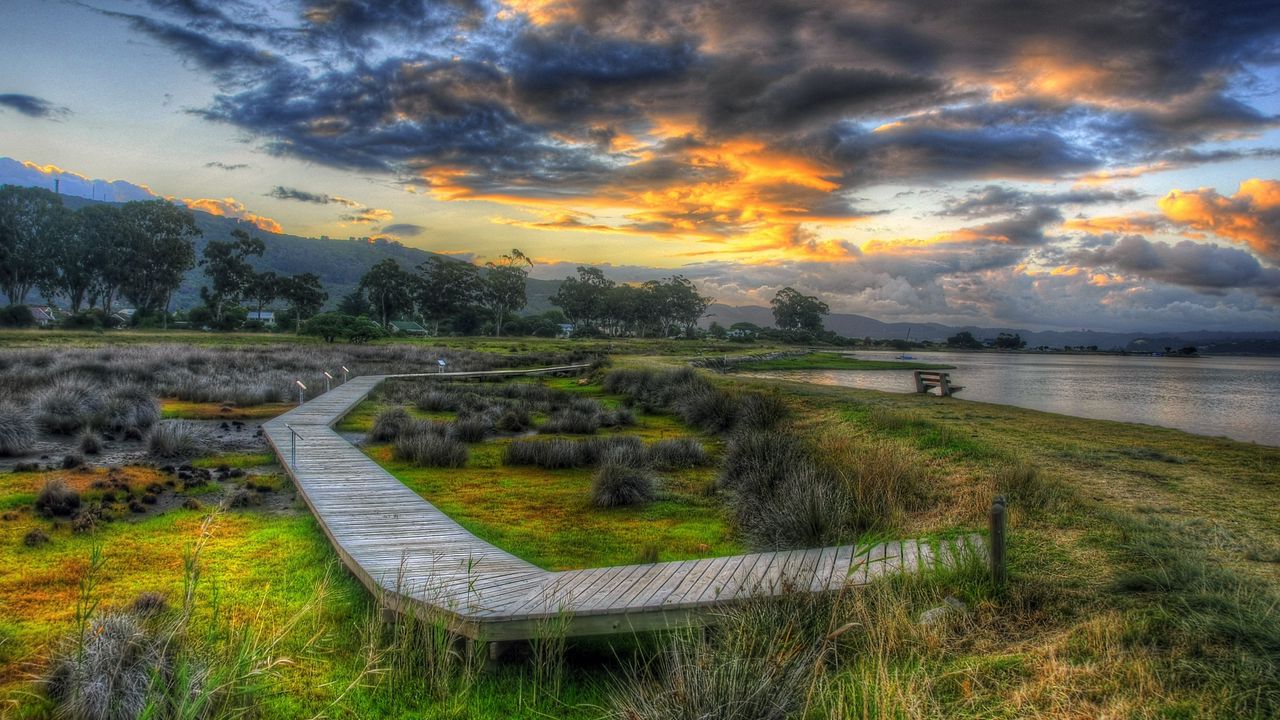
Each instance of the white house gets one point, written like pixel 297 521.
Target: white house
pixel 266 317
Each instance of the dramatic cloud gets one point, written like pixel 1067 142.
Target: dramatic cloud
pixel 1251 216
pixel 22 172
pixel 230 207
pixel 32 106
pixel 1201 266
pixel 1001 199
pixel 765 143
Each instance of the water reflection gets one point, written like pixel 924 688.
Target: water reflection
pixel 1235 397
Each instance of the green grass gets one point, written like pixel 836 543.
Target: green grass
pixel 546 516
pixel 834 361
pixel 241 460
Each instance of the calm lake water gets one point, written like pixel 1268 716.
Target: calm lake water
pixel 1237 397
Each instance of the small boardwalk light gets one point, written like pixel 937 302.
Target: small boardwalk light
pixel 294 437
pixel 441 362
pixel 328 381
pixel 345 373
pixel 301 389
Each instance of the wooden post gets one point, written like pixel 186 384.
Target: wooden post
pixel 919 382
pixel 998 528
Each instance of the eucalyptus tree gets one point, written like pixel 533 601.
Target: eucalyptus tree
pixel 226 264
pixel 444 289
pixel 28 217
pixel 161 253
pixel 389 289
pixel 504 286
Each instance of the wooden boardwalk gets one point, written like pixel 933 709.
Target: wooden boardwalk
pixel 413 555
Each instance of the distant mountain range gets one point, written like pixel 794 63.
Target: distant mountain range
pixel 860 326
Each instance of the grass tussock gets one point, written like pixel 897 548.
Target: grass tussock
pixel 17 430
pixel 560 453
pixel 389 424
pixel 173 439
pixel 623 479
pixel 677 454
pixel 789 494
pixel 57 499
pixel 427 448
pixel 69 404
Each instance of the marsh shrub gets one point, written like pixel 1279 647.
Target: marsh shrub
pixel 109 675
pixel 621 417
pixel 130 410
pixel 554 454
pixel 173 439
pixel 571 422
pixel 514 420
pixel 35 538
pixel 471 428
pixel 429 449
pixel 677 454
pixel 55 499
pixel 761 411
pixel 623 479
pixel 90 442
pixel 389 424
pixel 17 430
pixel 709 408
pixel 788 495
pixel 559 453
pixel 759 662
pixel 71 403
pixel 437 401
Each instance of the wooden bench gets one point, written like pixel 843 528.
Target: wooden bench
pixel 927 380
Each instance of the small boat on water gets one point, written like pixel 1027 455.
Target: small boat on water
pixel 905 357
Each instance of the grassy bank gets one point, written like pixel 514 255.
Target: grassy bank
pixel 835 361
pixel 1145 572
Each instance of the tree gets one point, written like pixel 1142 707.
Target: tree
pixel 264 288
pixel 584 299
pixel 1008 341
pixel 354 303
pixel 332 325
pixel 305 296
pixel 676 302
pixel 717 331
pixel 104 228
pixel 795 311
pixel 504 286
pixel 27 218
pixel 444 289
pixel 71 256
pixel 388 289
pixel 227 266
pixel 964 339
pixel 161 252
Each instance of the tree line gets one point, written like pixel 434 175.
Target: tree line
pixel 138 252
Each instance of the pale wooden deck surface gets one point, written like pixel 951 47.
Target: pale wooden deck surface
pixel 401 545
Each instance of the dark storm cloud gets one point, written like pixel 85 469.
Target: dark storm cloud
pixel 408 86
pixel 403 229
pixel 33 106
pixel 286 193
pixel 1002 199
pixel 1204 267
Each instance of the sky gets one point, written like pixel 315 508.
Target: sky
pixel 1029 163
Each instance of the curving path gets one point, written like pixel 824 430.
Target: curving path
pixel 414 556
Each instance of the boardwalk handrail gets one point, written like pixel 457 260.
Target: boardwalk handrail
pixel 416 558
